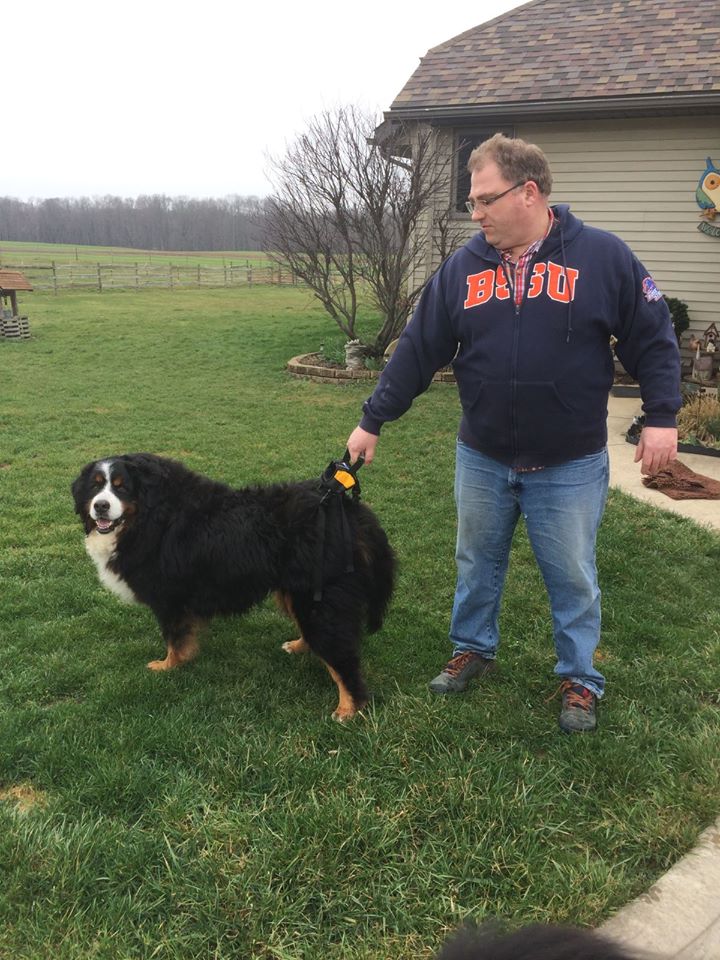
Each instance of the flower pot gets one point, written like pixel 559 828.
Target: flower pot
pixel 354 355
pixel 702 368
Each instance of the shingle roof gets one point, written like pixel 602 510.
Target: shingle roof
pixel 13 280
pixel 559 50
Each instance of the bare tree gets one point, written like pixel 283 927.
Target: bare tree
pixel 352 213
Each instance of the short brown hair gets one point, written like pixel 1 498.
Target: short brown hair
pixel 516 159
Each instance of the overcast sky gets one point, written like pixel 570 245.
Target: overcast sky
pixel 187 99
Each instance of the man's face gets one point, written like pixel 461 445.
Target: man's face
pixel 506 221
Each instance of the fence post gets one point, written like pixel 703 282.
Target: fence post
pixel 99 279
pixel 137 278
pixel 54 271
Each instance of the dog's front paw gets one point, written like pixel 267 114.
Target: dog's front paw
pixel 296 646
pixel 160 665
pixel 343 714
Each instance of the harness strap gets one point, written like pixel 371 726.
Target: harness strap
pixel 337 481
pixel 319 551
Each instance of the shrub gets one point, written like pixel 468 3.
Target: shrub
pixel 699 420
pixel 679 313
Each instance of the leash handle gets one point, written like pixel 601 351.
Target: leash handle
pixel 354 467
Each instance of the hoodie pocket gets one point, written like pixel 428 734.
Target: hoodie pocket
pixel 544 419
pixel 487 408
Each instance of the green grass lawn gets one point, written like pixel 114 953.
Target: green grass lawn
pixel 64 267
pixel 19 253
pixel 34 255
pixel 218 811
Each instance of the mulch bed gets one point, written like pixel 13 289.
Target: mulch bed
pixel 318 360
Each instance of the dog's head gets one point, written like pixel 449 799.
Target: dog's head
pixel 108 493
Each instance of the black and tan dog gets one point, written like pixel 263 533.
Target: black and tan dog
pixel 191 548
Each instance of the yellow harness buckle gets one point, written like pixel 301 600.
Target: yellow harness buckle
pixel 345 478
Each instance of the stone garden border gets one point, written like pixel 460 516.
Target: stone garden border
pixel 299 367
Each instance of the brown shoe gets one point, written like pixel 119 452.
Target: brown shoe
pixel 578 714
pixel 459 670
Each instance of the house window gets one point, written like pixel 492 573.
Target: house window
pixel 465 142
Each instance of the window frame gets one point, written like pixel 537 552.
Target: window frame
pixel 465 139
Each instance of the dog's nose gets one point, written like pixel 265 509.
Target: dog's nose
pixel 101 506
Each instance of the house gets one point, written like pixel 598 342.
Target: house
pixel 624 98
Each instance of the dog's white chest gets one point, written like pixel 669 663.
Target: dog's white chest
pixel 101 548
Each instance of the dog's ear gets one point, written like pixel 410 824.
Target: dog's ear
pixel 146 473
pixel 78 487
pixel 144 468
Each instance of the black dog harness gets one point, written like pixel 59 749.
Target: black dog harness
pixel 337 482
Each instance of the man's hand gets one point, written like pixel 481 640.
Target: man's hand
pixel 360 442
pixel 656 448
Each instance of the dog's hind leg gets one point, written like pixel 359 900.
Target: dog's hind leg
pixel 181 637
pixel 348 703
pixel 284 602
pixel 331 630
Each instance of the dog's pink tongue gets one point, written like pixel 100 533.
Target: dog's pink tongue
pixel 103 524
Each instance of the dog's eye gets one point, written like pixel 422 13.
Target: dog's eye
pixel 98 480
pixel 117 482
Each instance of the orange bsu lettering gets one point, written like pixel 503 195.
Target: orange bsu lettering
pixel 480 288
pixel 502 290
pixel 558 282
pixel 561 283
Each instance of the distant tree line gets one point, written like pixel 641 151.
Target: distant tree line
pixel 154 222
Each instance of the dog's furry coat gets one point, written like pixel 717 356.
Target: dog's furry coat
pixel 191 548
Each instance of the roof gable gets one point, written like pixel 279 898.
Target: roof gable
pixel 564 50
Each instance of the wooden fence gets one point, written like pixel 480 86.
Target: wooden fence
pixel 139 276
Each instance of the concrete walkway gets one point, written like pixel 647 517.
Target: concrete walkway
pixel 679 917
pixel 625 473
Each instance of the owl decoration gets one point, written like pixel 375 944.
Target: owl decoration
pixel 708 191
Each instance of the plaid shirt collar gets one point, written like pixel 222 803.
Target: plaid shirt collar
pixel 518 270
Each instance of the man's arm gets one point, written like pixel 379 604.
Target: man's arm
pixel 648 349
pixel 428 343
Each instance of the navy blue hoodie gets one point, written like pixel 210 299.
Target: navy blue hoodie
pixel 534 379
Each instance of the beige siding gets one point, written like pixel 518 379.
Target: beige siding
pixel 637 178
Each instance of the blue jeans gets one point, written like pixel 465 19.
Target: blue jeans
pixel 562 507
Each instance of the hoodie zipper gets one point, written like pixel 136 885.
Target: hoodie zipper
pixel 513 361
pixel 517 308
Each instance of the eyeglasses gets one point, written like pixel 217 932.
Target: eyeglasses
pixel 470 205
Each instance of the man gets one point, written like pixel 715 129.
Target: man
pixel 527 309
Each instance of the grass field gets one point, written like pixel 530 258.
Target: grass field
pixel 218 812
pixel 42 254
pixel 65 267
